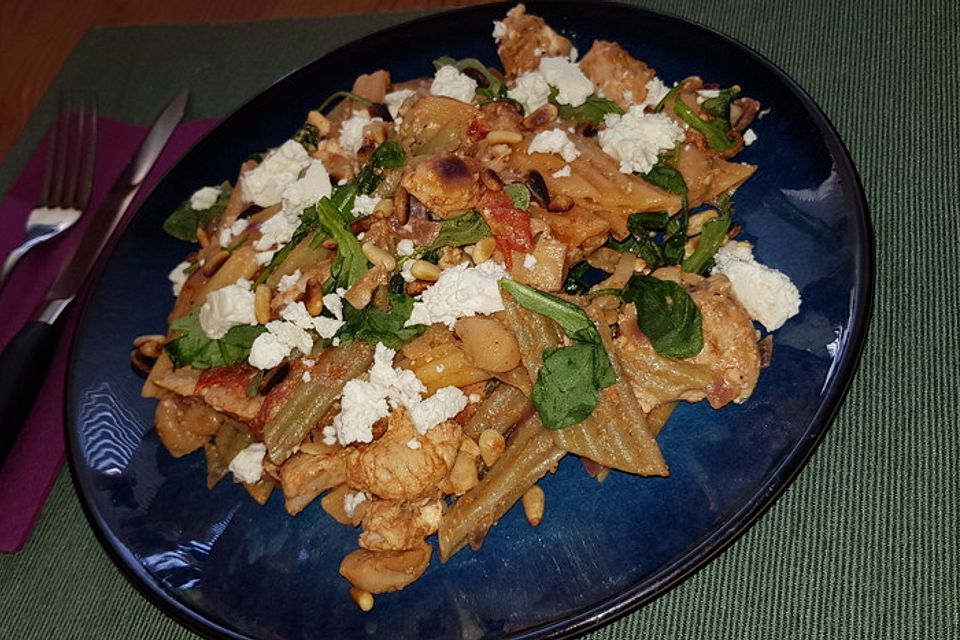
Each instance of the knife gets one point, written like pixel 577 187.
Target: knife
pixel 26 359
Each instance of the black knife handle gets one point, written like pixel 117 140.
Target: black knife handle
pixel 23 366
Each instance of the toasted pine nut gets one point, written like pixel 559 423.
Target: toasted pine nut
pixel 484 249
pixel 423 270
pixel 320 121
pixel 492 445
pixel 364 599
pixel 463 476
pixel 213 264
pixel 203 237
pixel 384 209
pixel 491 180
pixel 378 257
pixel 416 288
pixel 470 446
pixel 533 502
pixel 560 202
pixel 401 205
pixel 313 298
pixel 504 137
pixel 542 116
pixel 261 303
pixel 697 220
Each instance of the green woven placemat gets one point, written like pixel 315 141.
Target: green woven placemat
pixel 865 543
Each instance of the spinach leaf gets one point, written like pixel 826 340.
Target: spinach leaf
pixel 389 155
pixel 460 231
pixel 591 112
pixel 667 178
pixel 673 91
pixel 520 195
pixel 571 318
pixel 193 347
pixel 560 394
pixel 719 107
pixel 350 263
pixel 666 315
pixel 640 223
pixel 183 223
pixel 372 325
pixel 716 131
pixel 713 235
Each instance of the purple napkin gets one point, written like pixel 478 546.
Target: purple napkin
pixel 33 464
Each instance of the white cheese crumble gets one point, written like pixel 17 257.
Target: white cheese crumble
pixel 637 138
pixel 768 295
pixel 288 281
pixel 365 401
pixel 297 196
pixel 749 137
pixel 395 100
pixel 351 131
pixel 296 313
pixel 227 234
pixel 461 291
pixel 573 55
pixel 531 90
pixel 264 184
pixel 225 308
pixel 573 87
pixel 247 466
pixel 264 257
pixel 204 198
pixel 554 141
pixel 306 377
pixel 529 261
pixel 656 91
pixel 351 500
pixel 333 302
pixel 413 443
pixel 271 347
pixel 177 276
pixel 405 247
pixel 363 205
pixel 405 271
pixel 450 82
pixel 563 172
pixel 499 31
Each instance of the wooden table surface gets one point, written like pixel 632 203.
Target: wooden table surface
pixel 37 36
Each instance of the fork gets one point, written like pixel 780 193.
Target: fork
pixel 68 175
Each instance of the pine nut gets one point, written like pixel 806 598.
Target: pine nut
pixel 320 121
pixel 378 257
pixel 213 264
pixel 504 137
pixel 533 504
pixel 423 270
pixel 313 298
pixel 401 205
pixel 492 445
pixel 560 202
pixel 484 249
pixel 364 599
pixel 203 237
pixel 468 445
pixel 697 220
pixel 384 209
pixel 542 116
pixel 261 303
pixel 491 180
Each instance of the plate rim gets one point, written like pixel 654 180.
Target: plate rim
pixel 720 538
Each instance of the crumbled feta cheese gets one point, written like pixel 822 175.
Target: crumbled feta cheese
pixel 440 368
pixel 264 257
pixel 361 405
pixel 334 303
pixel 177 276
pixel 573 87
pixel 562 172
pixel 628 96
pixel 460 292
pixel 307 362
pixel 276 230
pixel 306 377
pixel 554 141
pixel 441 406
pixel 351 131
pixel 329 435
pixel 413 443
pixel 706 94
pixel 335 342
pixel 529 261
pixel 401 386
pixel 228 233
pixel 637 138
pixel 226 308
pixel 247 466
pixel 395 100
pixel 297 314
pixel 204 198
pixel 768 295
pixel 656 91
pixel 264 184
pixel 281 337
pixel 450 82
pixel 405 247
pixel 306 191
pixel 531 90
pixel 351 500
pixel 363 205
pixel 288 281
pixel 499 31
pixel 474 398
pixel 405 272
pixel 573 55
pixel 749 137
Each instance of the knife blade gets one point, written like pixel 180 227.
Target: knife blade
pixel 26 359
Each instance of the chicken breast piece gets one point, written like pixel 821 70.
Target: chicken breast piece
pixel 616 74
pixel 389 525
pixel 525 39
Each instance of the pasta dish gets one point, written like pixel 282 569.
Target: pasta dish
pixel 411 310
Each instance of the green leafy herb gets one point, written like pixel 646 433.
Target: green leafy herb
pixel 389 155
pixel 340 95
pixel 193 347
pixel 590 112
pixel 670 94
pixel 520 195
pixel 716 131
pixel 719 107
pixel 713 235
pixel 640 223
pixel 183 223
pixel 568 384
pixel 666 315
pixel 372 325
pixel 350 263
pixel 460 231
pixel 669 179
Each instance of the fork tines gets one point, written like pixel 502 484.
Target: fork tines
pixel 68 179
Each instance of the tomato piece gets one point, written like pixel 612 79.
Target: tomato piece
pixel 510 225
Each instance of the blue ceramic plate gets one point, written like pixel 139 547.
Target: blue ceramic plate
pixel 228 568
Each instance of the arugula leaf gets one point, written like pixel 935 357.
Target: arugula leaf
pixel 666 315
pixel 193 347
pixel 350 263
pixel 372 325
pixel 460 231
pixel 717 135
pixel 389 155
pixel 560 395
pixel 520 195
pixel 713 235
pixel 571 318
pixel 719 107
pixel 183 223
pixel 590 112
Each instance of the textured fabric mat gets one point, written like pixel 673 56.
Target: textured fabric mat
pixel 865 543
